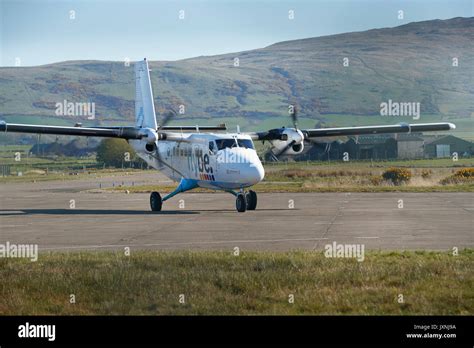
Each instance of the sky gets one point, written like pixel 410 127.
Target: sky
pixel 36 32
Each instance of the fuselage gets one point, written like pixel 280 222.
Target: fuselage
pixel 217 161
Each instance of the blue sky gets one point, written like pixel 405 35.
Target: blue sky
pixel 41 32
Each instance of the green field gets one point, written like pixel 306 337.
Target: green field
pixel 27 168
pixel 334 176
pixel 221 283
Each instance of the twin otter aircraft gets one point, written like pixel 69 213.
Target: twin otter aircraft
pixel 198 156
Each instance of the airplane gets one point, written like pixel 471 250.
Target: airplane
pixel 203 156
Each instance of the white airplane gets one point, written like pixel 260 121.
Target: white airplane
pixel 199 156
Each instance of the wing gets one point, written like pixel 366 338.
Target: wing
pixel 108 132
pixel 284 133
pixel 398 128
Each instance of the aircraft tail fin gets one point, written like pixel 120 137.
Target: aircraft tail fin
pixel 144 107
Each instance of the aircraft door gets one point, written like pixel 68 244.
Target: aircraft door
pixel 213 161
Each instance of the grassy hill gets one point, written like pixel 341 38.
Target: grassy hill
pixel 409 63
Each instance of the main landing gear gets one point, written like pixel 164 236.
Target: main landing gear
pixel 246 201
pixel 155 201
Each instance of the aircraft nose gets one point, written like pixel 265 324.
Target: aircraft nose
pixel 256 172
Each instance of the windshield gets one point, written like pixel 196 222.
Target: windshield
pixel 247 143
pixel 230 143
pixel 223 143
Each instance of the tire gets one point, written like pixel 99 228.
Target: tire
pixel 251 198
pixel 240 203
pixel 155 201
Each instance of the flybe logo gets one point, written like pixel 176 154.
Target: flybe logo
pixel 201 166
pixel 205 169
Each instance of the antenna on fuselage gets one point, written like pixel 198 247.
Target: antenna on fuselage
pixel 238 129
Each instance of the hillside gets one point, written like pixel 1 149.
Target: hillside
pixel 409 63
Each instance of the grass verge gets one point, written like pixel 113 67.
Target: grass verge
pixel 303 187
pixel 149 282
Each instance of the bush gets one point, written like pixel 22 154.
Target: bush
pixel 115 153
pixel 461 176
pixel 376 180
pixel 465 173
pixel 397 176
pixel 426 173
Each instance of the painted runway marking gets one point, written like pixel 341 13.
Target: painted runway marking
pixel 182 243
pixel 329 222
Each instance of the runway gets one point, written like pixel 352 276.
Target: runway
pixel 41 213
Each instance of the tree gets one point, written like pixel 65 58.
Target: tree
pixel 115 153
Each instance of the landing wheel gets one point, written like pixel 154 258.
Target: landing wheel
pixel 155 201
pixel 240 203
pixel 251 198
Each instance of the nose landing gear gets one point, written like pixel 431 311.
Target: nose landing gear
pixel 246 201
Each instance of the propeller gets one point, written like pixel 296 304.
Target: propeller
pixel 152 136
pixel 294 118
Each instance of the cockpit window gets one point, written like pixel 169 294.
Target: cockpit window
pixel 230 143
pixel 247 143
pixel 225 143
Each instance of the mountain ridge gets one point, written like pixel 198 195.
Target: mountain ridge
pixel 411 62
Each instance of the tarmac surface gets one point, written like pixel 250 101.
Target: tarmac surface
pixel 42 213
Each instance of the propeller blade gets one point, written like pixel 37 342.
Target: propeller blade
pixel 294 117
pixel 167 118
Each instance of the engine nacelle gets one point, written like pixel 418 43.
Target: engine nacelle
pixel 149 135
pixel 150 147
pixel 294 137
pixel 295 149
